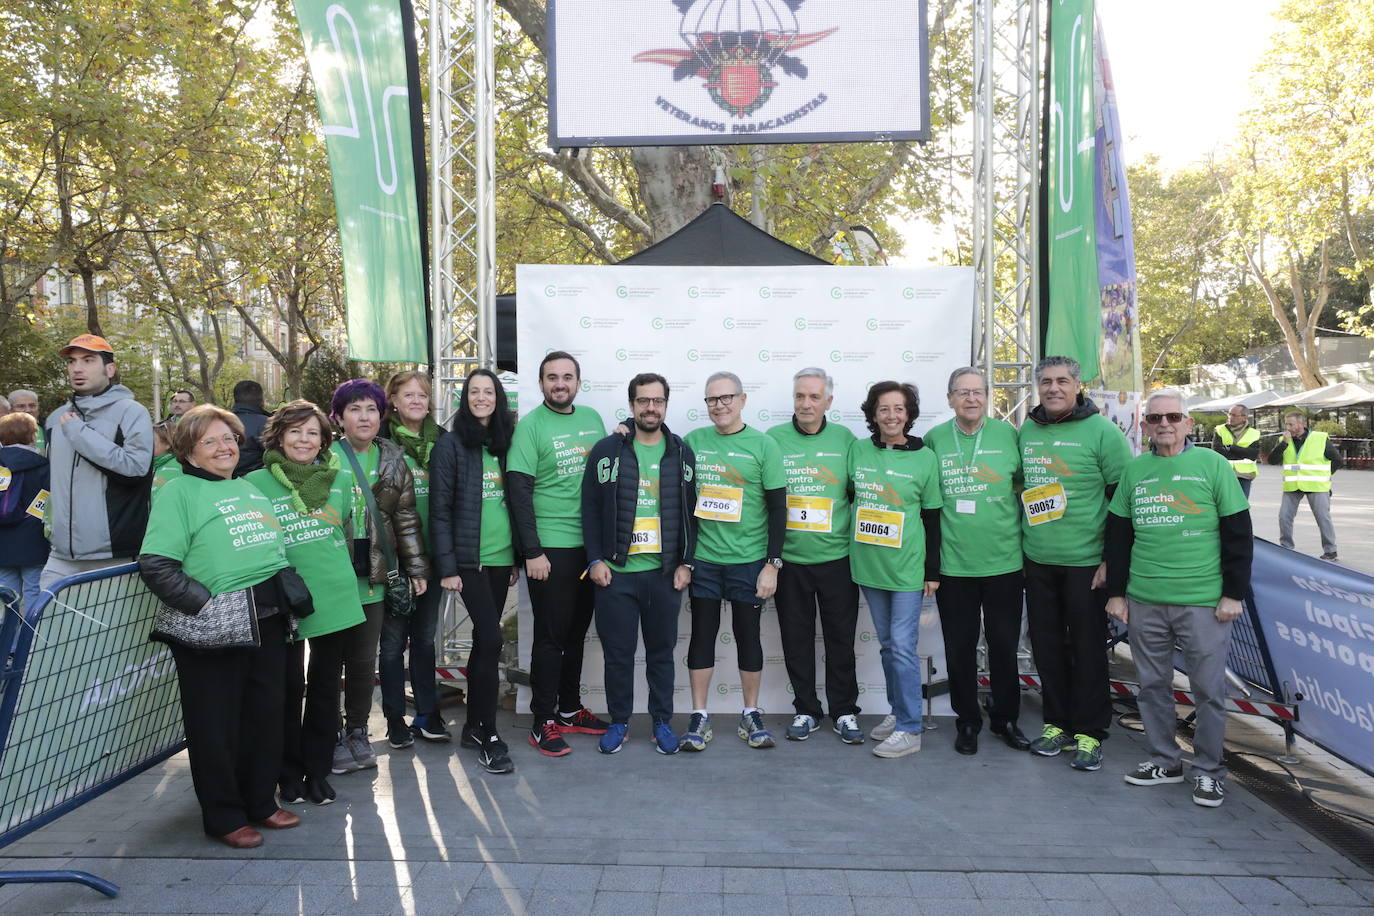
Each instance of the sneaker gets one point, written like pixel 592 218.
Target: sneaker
pixel 698 733
pixel 801 728
pixel 319 791
pixel 343 758
pixel 472 736
pixel 1150 773
pixel 1089 755
pixel 898 744
pixel 1208 792
pixel 398 733
pixel 1326 556
pixel 614 739
pixel 847 727
pixel 494 756
pixel 546 737
pixel 751 729
pixel 1052 740
pixel 884 728
pixel 582 722
pixel 292 793
pixel 665 742
pixel 430 727
pixel 361 748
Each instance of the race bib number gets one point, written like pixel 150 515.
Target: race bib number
pixel 5 478
pixel 879 527
pixel 808 513
pixel 39 507
pixel 1044 504
pixel 645 536
pixel 720 504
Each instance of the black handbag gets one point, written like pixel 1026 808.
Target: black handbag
pixel 399 598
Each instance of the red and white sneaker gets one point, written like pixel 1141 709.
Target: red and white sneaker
pixel 582 722
pixel 546 737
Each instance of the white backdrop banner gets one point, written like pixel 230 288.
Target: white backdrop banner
pixel 860 324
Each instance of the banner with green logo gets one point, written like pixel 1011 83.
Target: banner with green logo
pixel 357 59
pixel 1073 302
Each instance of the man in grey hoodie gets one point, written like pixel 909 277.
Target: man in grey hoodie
pixel 100 447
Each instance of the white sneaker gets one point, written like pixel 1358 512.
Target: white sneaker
pixel 899 744
pixel 884 728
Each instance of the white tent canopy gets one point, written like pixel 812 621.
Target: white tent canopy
pixel 1251 401
pixel 1341 394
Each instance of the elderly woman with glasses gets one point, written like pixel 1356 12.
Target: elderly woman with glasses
pixel 208 535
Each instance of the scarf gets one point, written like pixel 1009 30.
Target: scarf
pixel 309 483
pixel 417 446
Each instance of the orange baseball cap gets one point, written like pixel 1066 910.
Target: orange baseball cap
pixel 88 342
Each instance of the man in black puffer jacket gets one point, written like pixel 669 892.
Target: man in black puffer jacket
pixel 637 497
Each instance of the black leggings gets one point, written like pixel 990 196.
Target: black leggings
pixel 744 624
pixel 484 596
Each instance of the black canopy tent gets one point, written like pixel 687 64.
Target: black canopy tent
pixel 718 237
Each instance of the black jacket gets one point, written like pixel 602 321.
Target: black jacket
pixel 610 493
pixel 455 506
pixel 254 420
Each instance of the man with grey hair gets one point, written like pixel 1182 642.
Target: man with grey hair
pixel 22 400
pixel 815 551
pixel 1238 443
pixel 1178 551
pixel 1072 457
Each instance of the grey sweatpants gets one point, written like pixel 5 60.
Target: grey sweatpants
pixel 1321 510
pixel 1154 631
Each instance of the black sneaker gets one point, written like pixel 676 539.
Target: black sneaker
pixel 292 793
pixel 494 757
pixel 431 727
pixel 472 736
pixel 1150 773
pixel 319 791
pixel 546 737
pixel 583 722
pixel 398 733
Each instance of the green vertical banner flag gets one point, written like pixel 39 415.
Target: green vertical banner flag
pixel 1074 326
pixel 357 55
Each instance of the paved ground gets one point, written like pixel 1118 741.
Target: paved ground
pixel 805 828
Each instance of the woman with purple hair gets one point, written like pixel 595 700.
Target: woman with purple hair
pixel 358 407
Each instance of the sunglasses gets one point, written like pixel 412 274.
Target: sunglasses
pixel 1155 419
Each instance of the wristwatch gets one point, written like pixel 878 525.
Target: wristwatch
pixel 775 562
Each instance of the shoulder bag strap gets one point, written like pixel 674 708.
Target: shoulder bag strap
pixel 383 532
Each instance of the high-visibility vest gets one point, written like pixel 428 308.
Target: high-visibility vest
pixel 1241 466
pixel 1307 470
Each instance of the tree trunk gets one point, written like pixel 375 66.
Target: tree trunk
pixel 87 274
pixel 675 185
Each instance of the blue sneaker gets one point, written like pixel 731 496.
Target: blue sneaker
pixel 752 730
pixel 614 739
pixel 801 728
pixel 665 742
pixel 698 733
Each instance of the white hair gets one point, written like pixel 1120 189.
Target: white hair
pixel 717 376
pixel 813 372
pixel 1172 393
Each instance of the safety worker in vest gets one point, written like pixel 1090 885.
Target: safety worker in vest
pixel 1309 459
pixel 1238 443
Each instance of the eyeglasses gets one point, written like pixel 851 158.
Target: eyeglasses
pixel 230 439
pixel 1154 419
pixel 724 400
pixel 970 392
pixel 653 402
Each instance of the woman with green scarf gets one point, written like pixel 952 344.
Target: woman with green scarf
pixel 410 426
pixel 311 497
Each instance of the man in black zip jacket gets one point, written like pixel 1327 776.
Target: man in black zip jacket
pixel 637 524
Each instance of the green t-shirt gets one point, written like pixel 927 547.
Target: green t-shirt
pixel 552 448
pixel 818 511
pixel 1174 505
pixel 1074 461
pixel 731 473
pixel 317 546
pixel 980 531
pixel 648 534
pixel 421 495
pixel 497 546
pixel 165 468
pixel 369 461
pixel 891 487
pixel 222 531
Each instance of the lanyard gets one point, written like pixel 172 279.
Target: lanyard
pixel 977 444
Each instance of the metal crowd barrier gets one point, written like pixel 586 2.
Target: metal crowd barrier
pixel 86 703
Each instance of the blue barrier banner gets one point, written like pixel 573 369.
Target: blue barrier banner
pixel 1318 621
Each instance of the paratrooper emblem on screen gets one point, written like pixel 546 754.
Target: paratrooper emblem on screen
pixel 734 47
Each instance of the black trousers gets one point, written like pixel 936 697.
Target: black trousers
pixel 231 708
pixel 563 605
pixel 803 591
pixel 991 604
pixel 360 665
pixel 309 736
pixel 634 601
pixel 1067 622
pixel 484 596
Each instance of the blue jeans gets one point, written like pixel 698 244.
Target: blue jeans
pixel 23 581
pixel 418 630
pixel 897 619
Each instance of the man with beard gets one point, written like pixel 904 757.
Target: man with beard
pixel 637 498
pixel 544 481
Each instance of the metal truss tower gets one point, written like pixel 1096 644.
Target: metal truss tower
pixel 1006 156
pixel 462 191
